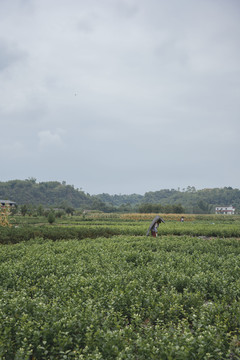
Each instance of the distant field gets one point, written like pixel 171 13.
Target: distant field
pixel 104 290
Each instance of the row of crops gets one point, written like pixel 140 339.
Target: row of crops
pixel 78 228
pixel 120 296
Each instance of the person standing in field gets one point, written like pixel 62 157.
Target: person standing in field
pixel 154 230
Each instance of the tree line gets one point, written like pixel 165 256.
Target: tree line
pixel 193 201
pixel 63 196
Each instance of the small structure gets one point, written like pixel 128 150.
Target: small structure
pixel 229 210
pixel 4 203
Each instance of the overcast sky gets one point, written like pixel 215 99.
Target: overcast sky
pixel 121 96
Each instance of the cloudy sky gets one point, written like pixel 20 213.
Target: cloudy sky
pixel 121 96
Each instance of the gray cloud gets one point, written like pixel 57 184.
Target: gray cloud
pixel 48 139
pixel 9 55
pixel 146 94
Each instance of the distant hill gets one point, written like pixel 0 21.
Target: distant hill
pixel 54 193
pixel 51 193
pixel 192 200
pixel 118 200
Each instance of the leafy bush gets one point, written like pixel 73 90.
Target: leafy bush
pixel 126 297
pixel 51 217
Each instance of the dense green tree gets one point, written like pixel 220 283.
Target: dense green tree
pixel 40 210
pixel 60 195
pixel 69 210
pixel 158 208
pixel 51 217
pixel 24 209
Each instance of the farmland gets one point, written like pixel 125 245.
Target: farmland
pixel 98 288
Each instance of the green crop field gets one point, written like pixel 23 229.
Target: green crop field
pixel 99 288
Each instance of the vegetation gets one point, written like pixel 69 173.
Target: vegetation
pixel 49 193
pixel 192 200
pixel 4 216
pixel 95 225
pixel 156 208
pixel 121 295
pixel 51 217
pixel 28 193
pixel 196 201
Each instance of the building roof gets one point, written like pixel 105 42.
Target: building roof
pixel 7 202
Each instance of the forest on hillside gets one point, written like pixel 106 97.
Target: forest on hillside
pixel 193 201
pixel 61 195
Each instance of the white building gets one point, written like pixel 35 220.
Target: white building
pixel 4 203
pixel 225 210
